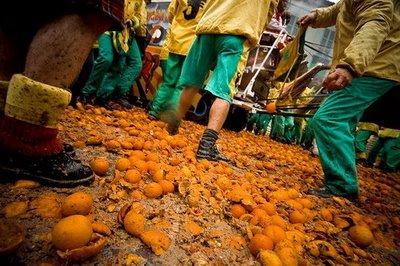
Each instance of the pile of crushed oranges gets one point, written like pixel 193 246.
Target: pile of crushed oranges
pixel 153 202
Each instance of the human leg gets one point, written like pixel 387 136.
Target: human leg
pixel 194 72
pixel 130 67
pixel 333 124
pixel 288 135
pixel 266 119
pixel 278 128
pixel 231 58
pixel 101 66
pixel 308 136
pixel 252 122
pixel 360 143
pixel 168 87
pixel 391 155
pixel 35 103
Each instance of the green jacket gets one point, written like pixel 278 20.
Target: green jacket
pixel 367 40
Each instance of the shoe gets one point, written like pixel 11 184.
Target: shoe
pixel 124 102
pixel 103 103
pixel 172 120
pixel 68 148
pixel 59 170
pixel 152 117
pixel 325 192
pixel 84 100
pixel 211 154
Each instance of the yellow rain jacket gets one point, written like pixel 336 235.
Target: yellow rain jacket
pixel 389 133
pixel 142 29
pixel 368 127
pixel 246 18
pixel 367 38
pixel 164 53
pixel 184 19
pixel 135 10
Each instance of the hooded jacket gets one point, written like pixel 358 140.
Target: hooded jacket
pixel 367 40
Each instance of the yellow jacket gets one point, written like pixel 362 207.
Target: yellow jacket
pixel 164 53
pixel 368 127
pixel 135 10
pixel 246 18
pixel 389 133
pixel 183 18
pixel 367 38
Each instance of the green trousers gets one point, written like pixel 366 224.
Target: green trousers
pixel 282 129
pixel 113 72
pixel 252 121
pixel 168 93
pixel 360 143
pixel 262 124
pixel 376 151
pixel 391 155
pixel 388 149
pixel 333 126
pixel 308 135
pixel 298 130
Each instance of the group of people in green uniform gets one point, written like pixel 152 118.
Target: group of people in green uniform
pixel 119 60
pixel 365 66
pixel 378 146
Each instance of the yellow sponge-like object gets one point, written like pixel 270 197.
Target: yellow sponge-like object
pixel 35 102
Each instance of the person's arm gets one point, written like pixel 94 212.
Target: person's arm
pixel 321 17
pixel 173 6
pixel 326 17
pixel 373 19
pixel 142 29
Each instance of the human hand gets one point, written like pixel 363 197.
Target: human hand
pixel 307 19
pixel 338 79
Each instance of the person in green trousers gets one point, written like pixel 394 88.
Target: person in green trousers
pixel 386 149
pixel 366 65
pixel 390 158
pixel 298 129
pixel 364 132
pixel 282 129
pixel 252 121
pixel 262 124
pixel 167 95
pixel 115 70
pixel 180 37
pixel 308 136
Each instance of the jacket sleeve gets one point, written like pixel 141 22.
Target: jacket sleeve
pixel 142 29
pixel 129 9
pixel 326 17
pixel 373 22
pixel 173 6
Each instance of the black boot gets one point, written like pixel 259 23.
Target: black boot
pixel 103 103
pixel 208 148
pixel 124 102
pixel 325 192
pixel 60 170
